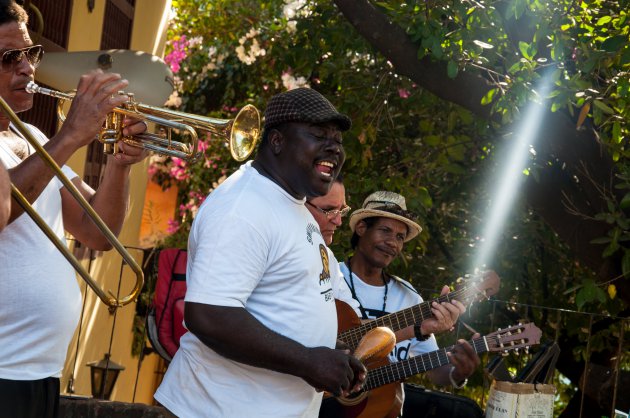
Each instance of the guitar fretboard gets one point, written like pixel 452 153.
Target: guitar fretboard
pixel 405 318
pixel 418 364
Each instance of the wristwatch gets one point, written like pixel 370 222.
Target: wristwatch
pixel 417 332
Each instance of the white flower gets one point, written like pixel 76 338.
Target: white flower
pixel 289 82
pixel 240 53
pixel 197 40
pixel 249 56
pixel 174 100
pixel 293 8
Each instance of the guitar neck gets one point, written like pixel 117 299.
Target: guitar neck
pixel 402 319
pixel 414 365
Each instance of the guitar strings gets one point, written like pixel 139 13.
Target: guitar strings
pixel 405 317
pixel 418 364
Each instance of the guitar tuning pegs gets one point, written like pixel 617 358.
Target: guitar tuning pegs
pixel 504 353
pixel 516 351
pixel 526 349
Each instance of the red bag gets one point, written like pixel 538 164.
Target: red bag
pixel 165 320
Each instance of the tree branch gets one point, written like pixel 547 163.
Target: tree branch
pixel 578 155
pixel 392 42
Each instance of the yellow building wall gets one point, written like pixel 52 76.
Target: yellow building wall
pixel 99 328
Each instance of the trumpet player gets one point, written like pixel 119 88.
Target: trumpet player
pixel 40 298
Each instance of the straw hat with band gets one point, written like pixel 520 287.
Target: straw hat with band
pixel 383 204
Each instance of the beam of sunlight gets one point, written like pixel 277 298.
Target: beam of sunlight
pixel 509 177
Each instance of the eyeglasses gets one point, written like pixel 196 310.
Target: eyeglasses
pixel 12 57
pixel 332 213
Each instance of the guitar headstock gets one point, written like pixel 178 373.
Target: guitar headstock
pixel 478 287
pixel 513 338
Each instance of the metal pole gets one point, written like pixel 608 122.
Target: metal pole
pixel 617 365
pixel 586 363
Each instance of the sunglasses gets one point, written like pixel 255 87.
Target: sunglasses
pixel 332 213
pixel 13 57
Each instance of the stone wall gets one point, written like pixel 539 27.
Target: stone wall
pixel 80 407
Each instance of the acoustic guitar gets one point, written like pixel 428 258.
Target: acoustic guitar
pixel 382 393
pixel 352 330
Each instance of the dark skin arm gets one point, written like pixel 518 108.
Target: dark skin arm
pixel 96 96
pixel 335 371
pixel 463 358
pixel 110 201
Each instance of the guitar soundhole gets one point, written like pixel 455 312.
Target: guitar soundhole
pixel 353 399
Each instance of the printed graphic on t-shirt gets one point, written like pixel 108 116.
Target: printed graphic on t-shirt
pixel 324 276
pixel 310 228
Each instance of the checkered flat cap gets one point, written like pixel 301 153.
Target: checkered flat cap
pixel 303 105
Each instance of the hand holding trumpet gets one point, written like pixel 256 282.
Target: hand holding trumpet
pixel 96 96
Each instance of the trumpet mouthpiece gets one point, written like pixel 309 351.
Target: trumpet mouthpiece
pixel 31 87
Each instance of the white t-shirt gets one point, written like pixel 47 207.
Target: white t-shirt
pixel 340 288
pixel 40 298
pixel 254 246
pixel 399 297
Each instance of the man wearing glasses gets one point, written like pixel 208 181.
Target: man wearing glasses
pixel 328 211
pixel 40 299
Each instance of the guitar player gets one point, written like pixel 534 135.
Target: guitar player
pixel 380 229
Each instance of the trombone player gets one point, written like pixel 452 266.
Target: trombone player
pixel 40 299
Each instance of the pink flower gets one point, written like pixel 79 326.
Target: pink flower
pixel 173 226
pixel 403 93
pixel 202 146
pixel 179 173
pixel 178 54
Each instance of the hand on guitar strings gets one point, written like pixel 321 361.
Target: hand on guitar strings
pixel 463 359
pixel 335 371
pixel 445 315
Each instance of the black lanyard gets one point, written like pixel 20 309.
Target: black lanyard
pixel 354 293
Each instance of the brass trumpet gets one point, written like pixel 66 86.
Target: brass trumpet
pixel 241 133
pixel 109 299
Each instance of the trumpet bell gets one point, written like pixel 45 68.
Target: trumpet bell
pixel 245 133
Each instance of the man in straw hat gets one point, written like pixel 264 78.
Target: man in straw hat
pixel 380 229
pixel 259 300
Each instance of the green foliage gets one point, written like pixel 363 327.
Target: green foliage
pixel 406 140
